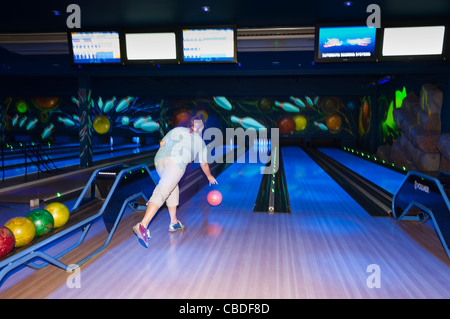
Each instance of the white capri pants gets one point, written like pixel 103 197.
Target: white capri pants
pixel 167 189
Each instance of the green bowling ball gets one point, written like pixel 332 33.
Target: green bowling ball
pixel 43 221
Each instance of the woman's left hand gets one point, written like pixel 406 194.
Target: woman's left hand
pixel 212 180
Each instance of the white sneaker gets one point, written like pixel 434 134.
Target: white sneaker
pixel 176 227
pixel 142 233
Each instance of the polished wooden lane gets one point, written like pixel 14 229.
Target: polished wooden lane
pixel 344 240
pixel 321 250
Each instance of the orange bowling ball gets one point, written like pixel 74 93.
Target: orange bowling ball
pixel 46 102
pixel 181 118
pixel 334 123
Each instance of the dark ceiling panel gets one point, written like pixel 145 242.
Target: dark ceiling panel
pixel 39 15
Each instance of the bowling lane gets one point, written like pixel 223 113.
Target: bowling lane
pixel 312 190
pixel 377 174
pixel 68 157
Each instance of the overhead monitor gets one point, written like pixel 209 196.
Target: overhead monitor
pixel 413 42
pixel 345 44
pixel 95 47
pixel 150 47
pixel 205 45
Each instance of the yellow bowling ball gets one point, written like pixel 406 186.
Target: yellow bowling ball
pixel 101 124
pixel 23 229
pixel 59 212
pixel 300 122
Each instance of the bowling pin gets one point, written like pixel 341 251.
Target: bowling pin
pixel 141 121
pixel 247 122
pixel 22 121
pixel 308 99
pixel 322 126
pixel 316 99
pixel 288 107
pixel 32 124
pixel 125 120
pixel 74 100
pixel 66 121
pixel 100 103
pixel 109 105
pixel 47 131
pixel 150 126
pixel 223 102
pixel 124 103
pixel 14 120
pixel 297 101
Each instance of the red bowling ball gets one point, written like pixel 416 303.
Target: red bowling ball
pixel 7 241
pixel 214 198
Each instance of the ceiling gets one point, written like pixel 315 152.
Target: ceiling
pixel 38 29
pixel 39 16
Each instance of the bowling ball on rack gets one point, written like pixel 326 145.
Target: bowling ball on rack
pixel 7 241
pixel 43 221
pixel 23 229
pixel 214 198
pixel 59 212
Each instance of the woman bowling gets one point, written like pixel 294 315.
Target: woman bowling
pixel 178 148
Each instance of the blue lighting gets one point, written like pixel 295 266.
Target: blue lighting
pixel 205 9
pixel 384 80
pixel 348 3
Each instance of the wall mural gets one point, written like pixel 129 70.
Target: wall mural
pixel 42 119
pixel 30 115
pixel 411 130
pixel 294 116
pixel 130 113
pixel 389 129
